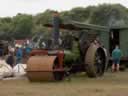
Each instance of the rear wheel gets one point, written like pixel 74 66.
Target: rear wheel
pixel 95 61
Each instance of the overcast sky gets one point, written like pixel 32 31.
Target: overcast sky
pixel 12 7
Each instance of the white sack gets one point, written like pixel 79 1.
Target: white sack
pixel 5 69
pixel 19 70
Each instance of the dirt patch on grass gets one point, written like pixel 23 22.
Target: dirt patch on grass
pixel 112 84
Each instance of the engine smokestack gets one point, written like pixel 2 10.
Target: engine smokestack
pixel 56 24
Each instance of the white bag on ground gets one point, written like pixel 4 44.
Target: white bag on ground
pixel 19 70
pixel 5 69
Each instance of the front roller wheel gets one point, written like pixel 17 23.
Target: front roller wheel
pixel 95 61
pixel 44 68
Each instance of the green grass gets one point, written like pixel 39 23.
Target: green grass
pixel 111 84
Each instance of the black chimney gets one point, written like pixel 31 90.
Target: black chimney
pixel 56 25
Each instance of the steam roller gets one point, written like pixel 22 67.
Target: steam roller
pixel 81 53
pixel 49 65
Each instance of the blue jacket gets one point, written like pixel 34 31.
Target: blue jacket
pixel 28 50
pixel 19 53
pixel 116 54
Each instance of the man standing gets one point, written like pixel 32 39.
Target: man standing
pixel 116 56
pixel 27 50
pixel 19 55
pixel 10 59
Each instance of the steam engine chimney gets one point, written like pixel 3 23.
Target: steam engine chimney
pixel 56 25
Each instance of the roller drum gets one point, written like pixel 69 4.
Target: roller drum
pixel 41 68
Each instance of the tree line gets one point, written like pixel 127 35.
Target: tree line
pixel 26 26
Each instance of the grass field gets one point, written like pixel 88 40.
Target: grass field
pixel 111 84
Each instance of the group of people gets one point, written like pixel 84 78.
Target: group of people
pixel 16 55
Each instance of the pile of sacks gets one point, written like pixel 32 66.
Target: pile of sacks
pixel 7 71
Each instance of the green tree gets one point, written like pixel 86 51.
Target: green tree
pixel 109 15
pixel 5 27
pixel 22 26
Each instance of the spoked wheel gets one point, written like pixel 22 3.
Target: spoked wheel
pixel 95 61
pixel 99 62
